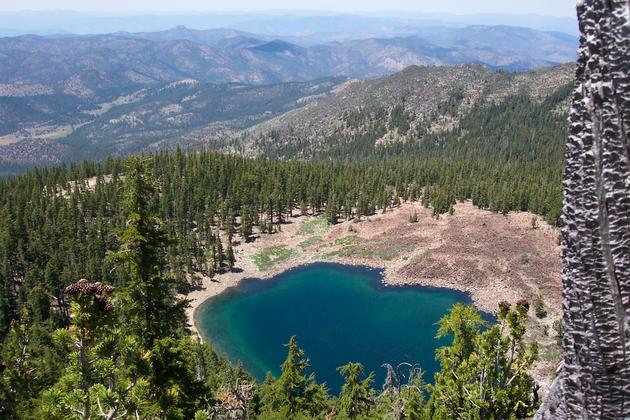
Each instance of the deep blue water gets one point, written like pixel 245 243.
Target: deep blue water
pixel 337 313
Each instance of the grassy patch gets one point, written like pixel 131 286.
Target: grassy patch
pixel 350 251
pixel 550 354
pixel 314 225
pixel 356 247
pixel 309 242
pixel 330 255
pixel 356 251
pixel 347 240
pixel 270 256
pixel 420 257
pixel 386 255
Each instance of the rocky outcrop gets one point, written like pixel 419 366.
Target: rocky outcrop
pixel 594 380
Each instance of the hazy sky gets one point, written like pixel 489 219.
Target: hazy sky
pixel 541 7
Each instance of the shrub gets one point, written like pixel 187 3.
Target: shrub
pixel 557 327
pixel 539 307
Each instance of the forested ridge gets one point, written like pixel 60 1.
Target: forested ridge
pixel 148 226
pixel 505 156
pixel 517 129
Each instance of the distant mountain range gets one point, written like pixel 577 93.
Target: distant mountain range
pixel 302 27
pixel 103 67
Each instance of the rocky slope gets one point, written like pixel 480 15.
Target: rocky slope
pixel 34 128
pixel 401 108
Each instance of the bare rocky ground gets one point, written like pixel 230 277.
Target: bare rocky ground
pixel 493 257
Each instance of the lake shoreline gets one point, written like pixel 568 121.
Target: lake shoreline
pixel 327 302
pixel 485 296
pixel 204 298
pixel 489 256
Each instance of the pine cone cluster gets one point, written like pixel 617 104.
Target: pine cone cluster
pixel 524 303
pixel 98 291
pixel 504 306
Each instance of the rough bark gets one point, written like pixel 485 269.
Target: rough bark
pixel 594 380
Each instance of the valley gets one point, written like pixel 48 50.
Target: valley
pixel 413 110
pixel 152 118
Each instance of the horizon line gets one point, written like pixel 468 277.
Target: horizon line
pixel 113 13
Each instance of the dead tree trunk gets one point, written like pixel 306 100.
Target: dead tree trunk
pixel 594 380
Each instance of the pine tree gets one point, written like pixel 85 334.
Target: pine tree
pixel 484 374
pixel 229 257
pixel 246 229
pixel 356 400
pixel 293 395
pixel 150 304
pixel 29 366
pixel 80 392
pixel 331 211
pixel 150 308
